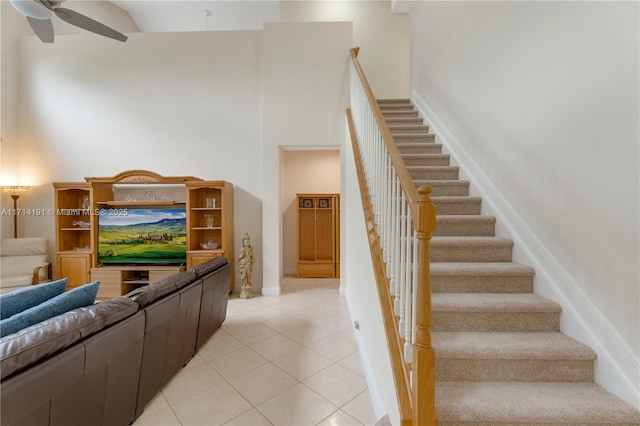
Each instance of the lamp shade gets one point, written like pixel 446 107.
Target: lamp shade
pixel 31 8
pixel 14 190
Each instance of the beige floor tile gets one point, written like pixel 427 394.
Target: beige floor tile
pixel 354 363
pixel 340 418
pixel 194 378
pixel 332 324
pixel 218 405
pixel 157 403
pixel 262 383
pixel 275 346
pixel 306 334
pixel 298 406
pixel 254 333
pixel 250 418
pixel 347 333
pixel 337 384
pixel 238 362
pixel 289 306
pixel 361 409
pixel 262 313
pixel 310 313
pixel 164 417
pixel 283 322
pixel 302 363
pixel 219 344
pixel 334 347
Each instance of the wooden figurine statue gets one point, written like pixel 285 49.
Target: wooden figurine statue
pixel 245 264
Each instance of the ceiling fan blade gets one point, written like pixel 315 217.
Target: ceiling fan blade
pixel 86 23
pixel 43 28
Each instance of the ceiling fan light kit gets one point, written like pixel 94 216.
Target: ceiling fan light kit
pixel 31 8
pixel 38 13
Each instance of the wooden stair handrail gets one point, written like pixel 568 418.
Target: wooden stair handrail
pixel 409 189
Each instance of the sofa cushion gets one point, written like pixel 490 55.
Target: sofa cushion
pixel 25 298
pixel 147 294
pixel 204 268
pixel 75 298
pixel 41 340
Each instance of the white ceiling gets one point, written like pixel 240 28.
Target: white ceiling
pixel 200 15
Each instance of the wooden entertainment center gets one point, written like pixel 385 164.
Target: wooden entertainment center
pixel 209 225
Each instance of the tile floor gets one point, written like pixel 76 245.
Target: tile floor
pixel 280 360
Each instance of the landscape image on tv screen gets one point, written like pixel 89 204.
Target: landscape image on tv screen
pixel 134 236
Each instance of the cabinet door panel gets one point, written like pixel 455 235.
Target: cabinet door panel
pixel 306 232
pixel 324 235
pixel 76 268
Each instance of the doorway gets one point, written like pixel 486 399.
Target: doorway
pixel 304 170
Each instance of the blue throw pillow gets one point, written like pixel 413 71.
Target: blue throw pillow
pixel 76 298
pixel 28 297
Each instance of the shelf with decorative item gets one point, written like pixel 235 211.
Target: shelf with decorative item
pixel 131 203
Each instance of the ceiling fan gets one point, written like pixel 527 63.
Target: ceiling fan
pixel 38 13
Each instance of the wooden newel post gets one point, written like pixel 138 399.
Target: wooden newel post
pixel 423 367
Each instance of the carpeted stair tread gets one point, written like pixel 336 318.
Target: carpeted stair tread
pixel 400 113
pixel 405 101
pixel 493 302
pixel 405 129
pixel 395 107
pixel 433 172
pixel 471 249
pixel 505 345
pixel 419 148
pixel 511 356
pixel 476 269
pixel 404 120
pixel 465 225
pixel 423 160
pixel 481 277
pixel 454 205
pixel 401 138
pixel 445 188
pixel 522 403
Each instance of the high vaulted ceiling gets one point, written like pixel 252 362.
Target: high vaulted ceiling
pixel 200 15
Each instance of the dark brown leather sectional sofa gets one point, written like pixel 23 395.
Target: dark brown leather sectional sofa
pixel 100 365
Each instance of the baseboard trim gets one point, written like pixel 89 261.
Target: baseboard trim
pixel 617 366
pixel 271 291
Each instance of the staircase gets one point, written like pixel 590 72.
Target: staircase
pixel 500 355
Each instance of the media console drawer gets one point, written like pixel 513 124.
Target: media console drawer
pixel 119 280
pixel 316 270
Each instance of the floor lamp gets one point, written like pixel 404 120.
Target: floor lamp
pixel 15 192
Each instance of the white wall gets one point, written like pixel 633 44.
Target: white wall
pixel 303 171
pixel 13 26
pixel 305 84
pixel 362 294
pixel 543 96
pixel 383 38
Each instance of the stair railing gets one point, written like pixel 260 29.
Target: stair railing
pixel 400 220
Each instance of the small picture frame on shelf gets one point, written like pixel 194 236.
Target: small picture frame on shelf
pixel 323 203
pixel 307 203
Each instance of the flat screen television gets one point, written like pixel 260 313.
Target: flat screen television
pixel 142 236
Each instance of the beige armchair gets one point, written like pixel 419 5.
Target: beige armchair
pixel 23 262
